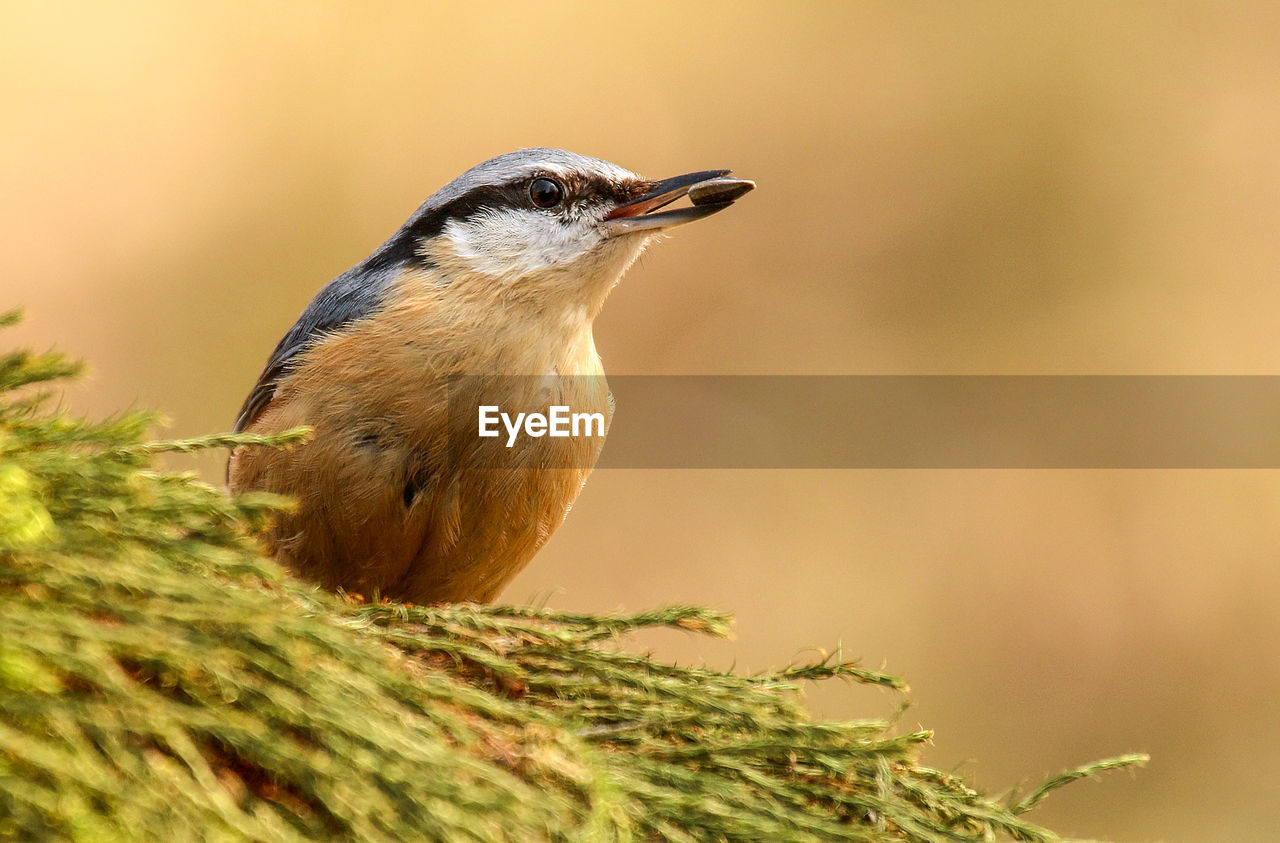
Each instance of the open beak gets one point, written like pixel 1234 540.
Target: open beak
pixel 710 191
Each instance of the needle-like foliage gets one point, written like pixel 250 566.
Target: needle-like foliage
pixel 160 679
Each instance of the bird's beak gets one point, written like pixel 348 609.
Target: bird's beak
pixel 710 191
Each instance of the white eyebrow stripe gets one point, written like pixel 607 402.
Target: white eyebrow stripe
pixel 611 172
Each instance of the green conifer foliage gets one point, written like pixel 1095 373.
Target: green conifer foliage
pixel 160 679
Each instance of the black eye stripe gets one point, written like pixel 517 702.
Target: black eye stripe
pixel 467 206
pixel 587 188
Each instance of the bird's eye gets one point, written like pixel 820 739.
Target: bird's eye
pixel 545 193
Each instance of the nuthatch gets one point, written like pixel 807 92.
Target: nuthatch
pixel 500 273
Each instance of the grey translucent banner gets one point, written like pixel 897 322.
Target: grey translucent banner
pixel 885 421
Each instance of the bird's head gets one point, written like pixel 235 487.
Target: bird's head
pixel 550 226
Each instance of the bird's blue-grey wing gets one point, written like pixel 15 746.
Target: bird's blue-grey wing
pixel 354 295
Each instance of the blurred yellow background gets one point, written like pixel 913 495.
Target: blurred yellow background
pixel 1083 188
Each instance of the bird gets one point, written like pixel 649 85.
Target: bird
pixel 487 293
